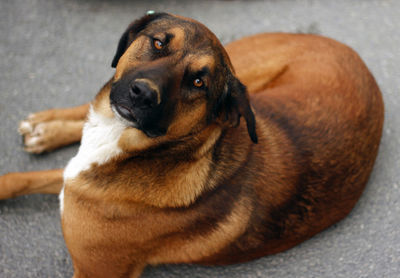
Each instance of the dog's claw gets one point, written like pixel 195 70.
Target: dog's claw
pixel 31 116
pixel 25 127
pixel 32 141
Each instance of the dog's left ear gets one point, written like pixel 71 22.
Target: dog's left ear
pixel 131 33
pixel 234 103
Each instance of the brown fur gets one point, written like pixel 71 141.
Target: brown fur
pixel 203 192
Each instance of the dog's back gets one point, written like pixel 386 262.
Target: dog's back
pixel 319 114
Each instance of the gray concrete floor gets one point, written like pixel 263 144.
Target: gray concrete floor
pixel 56 53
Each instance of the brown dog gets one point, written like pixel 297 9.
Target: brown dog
pixel 165 172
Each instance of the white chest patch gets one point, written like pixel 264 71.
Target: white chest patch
pixel 98 145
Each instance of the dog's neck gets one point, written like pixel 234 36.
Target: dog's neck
pixel 106 137
pixel 107 141
pixel 99 143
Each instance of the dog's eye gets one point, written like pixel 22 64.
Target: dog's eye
pixel 198 83
pixel 158 44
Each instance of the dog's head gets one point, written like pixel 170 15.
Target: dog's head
pixel 173 77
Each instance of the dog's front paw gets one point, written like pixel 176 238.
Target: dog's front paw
pixel 40 136
pixel 27 126
pixel 45 131
pixel 39 131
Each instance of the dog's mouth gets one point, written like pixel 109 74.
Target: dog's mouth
pixel 128 116
pixel 125 113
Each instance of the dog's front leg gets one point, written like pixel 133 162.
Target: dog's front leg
pixel 16 184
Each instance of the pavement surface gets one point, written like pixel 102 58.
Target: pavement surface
pixel 56 53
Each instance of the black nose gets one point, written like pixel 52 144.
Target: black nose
pixel 142 95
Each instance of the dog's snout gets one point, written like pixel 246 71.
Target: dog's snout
pixel 144 94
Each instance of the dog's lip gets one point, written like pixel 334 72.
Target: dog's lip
pixel 125 112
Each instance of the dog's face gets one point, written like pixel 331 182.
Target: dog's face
pixel 173 77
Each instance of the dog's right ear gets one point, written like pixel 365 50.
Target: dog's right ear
pixel 131 33
pixel 233 104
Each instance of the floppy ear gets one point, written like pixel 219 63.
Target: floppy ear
pixel 131 33
pixel 234 103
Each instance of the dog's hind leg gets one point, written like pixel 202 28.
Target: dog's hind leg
pixel 54 128
pixel 16 184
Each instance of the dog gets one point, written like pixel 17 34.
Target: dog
pixel 168 173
